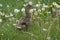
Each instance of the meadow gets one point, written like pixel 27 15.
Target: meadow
pixel 45 20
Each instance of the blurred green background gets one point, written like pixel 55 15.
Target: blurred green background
pixel 34 32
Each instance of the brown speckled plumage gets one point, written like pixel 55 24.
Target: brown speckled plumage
pixel 25 21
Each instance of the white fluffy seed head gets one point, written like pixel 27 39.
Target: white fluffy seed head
pixel 11 14
pixel 2 14
pixel 1 5
pixel 0 20
pixel 44 29
pixel 16 10
pixel 7 16
pixel 30 3
pixel 23 10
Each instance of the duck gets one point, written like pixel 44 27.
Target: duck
pixel 25 21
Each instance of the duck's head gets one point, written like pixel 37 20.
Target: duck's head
pixel 27 8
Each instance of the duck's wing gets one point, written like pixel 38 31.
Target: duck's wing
pixel 20 23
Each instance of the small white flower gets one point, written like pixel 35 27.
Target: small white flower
pixel 2 14
pixel 48 38
pixel 1 5
pixel 24 5
pixel 34 9
pixel 16 10
pixel 35 13
pixel 13 18
pixel 19 27
pixel 30 3
pixel 37 5
pixel 23 10
pixel 39 10
pixel 7 16
pixel 54 3
pixel 14 24
pixel 0 20
pixel 11 14
pixel 44 29
pixel 45 6
pixel 8 6
pixel 58 6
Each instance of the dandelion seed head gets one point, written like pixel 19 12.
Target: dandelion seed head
pixel 30 3
pixel 2 14
pixel 16 10
pixel 11 14
pixel 45 6
pixel 34 9
pixel 18 27
pixel 7 16
pixel 14 24
pixel 44 29
pixel 37 5
pixel 23 10
pixel 13 18
pixel 24 5
pixel 35 13
pixel 55 4
pixel 0 20
pixel 1 5
pixel 39 10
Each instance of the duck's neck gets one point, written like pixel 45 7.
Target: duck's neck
pixel 28 15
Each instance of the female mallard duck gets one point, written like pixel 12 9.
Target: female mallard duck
pixel 25 21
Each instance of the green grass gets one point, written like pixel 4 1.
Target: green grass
pixel 35 31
